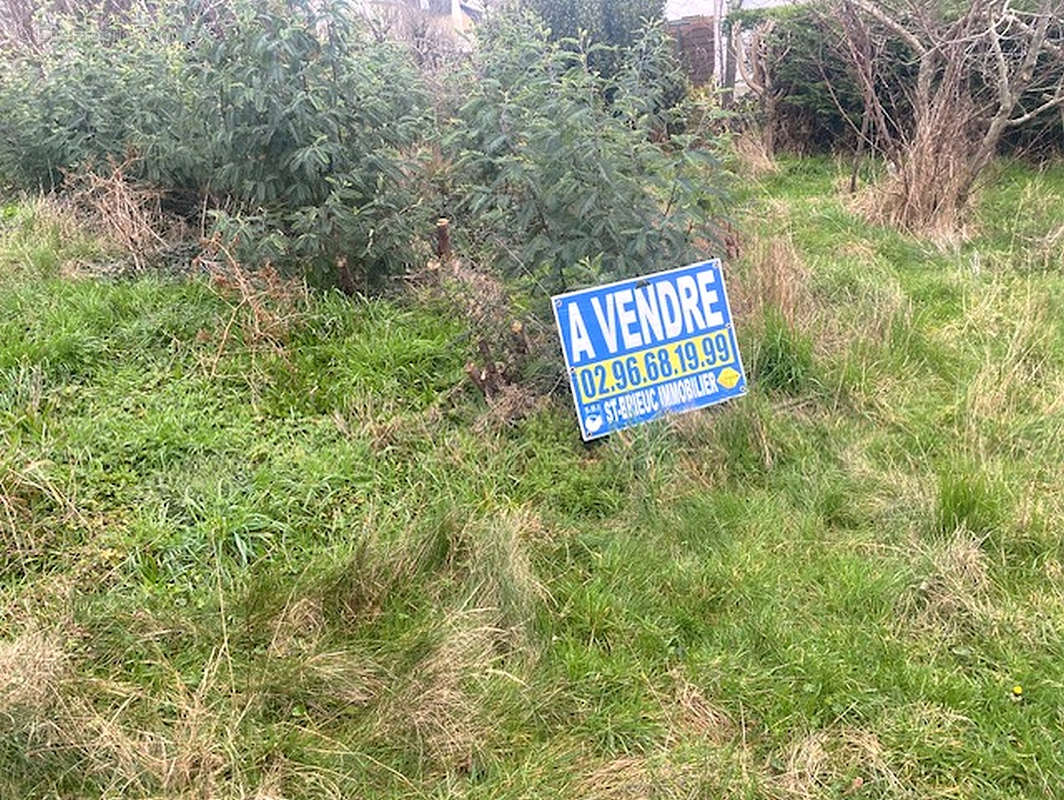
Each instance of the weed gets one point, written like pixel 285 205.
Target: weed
pixel 783 360
pixel 774 278
pixel 968 499
pixel 753 157
pixel 126 214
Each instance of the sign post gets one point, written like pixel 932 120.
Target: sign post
pixel 642 348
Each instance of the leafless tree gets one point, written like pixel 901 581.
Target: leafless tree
pixel 757 59
pixel 988 66
pixel 18 28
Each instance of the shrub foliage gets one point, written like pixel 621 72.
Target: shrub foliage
pixel 306 136
pixel 612 22
pixel 296 126
pixel 559 170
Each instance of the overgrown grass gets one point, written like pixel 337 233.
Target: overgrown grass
pixel 310 565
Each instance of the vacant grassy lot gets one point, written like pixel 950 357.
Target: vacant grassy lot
pixel 280 549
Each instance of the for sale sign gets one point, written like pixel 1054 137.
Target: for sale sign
pixel 642 348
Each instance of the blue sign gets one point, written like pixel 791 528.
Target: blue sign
pixel 642 348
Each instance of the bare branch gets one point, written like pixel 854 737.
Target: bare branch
pixel 1053 48
pixel 1004 89
pixel 1048 105
pixel 740 60
pixel 877 13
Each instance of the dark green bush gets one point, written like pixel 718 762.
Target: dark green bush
pixel 299 128
pixel 317 122
pixel 308 139
pixel 558 170
pixel 96 93
pixel 618 23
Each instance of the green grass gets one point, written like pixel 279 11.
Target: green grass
pixel 311 565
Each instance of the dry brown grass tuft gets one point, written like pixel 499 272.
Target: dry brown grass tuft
pixel 694 716
pixel 333 677
pixel 774 276
pixel 503 582
pixel 185 739
pixel 269 788
pixel 628 777
pixel 704 753
pixel 437 704
pixel 928 187
pixel 488 557
pixel 32 668
pixel 818 764
pixel 369 575
pixel 124 213
pixel 897 497
pixel 297 628
pixel 181 743
pixel 192 752
pixel 754 159
pixel 16 532
pixel 343 676
pixel 706 454
pixel 890 202
pixel 953 596
pixel 675 773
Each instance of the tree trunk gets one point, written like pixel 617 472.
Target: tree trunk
pixel 768 125
pixel 727 97
pixel 859 151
